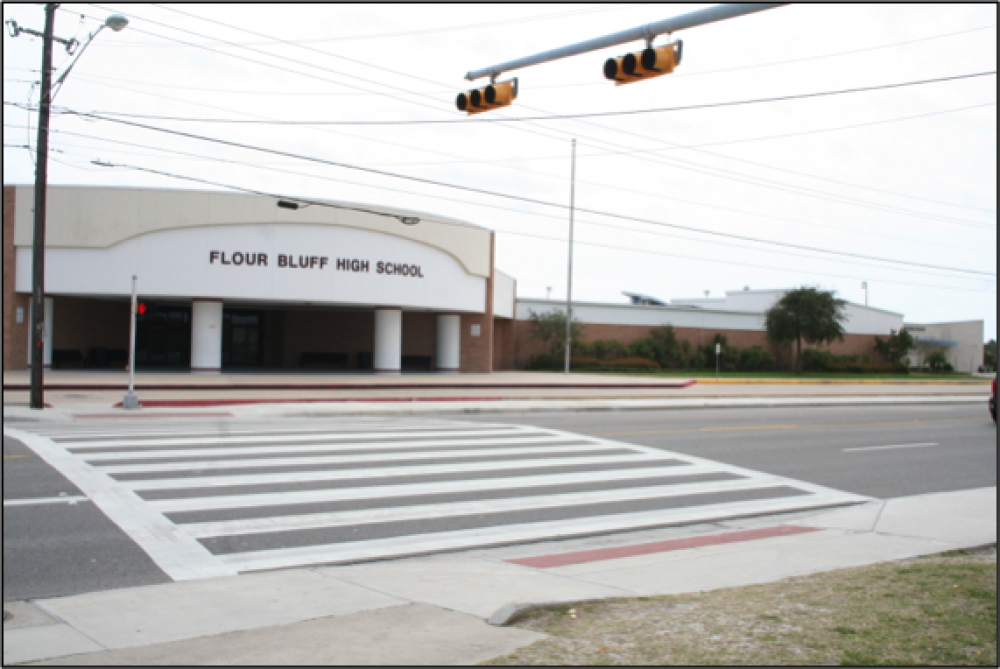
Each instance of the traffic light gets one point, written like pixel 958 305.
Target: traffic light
pixel 489 97
pixel 646 64
pixel 144 309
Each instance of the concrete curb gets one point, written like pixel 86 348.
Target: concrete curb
pixel 511 611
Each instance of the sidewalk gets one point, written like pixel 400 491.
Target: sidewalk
pixel 94 392
pixel 438 609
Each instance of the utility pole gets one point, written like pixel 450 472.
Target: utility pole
pixel 569 283
pixel 116 22
pixel 37 397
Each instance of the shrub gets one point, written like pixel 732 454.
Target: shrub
pixel 756 359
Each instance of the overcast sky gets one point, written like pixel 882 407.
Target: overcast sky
pixel 905 173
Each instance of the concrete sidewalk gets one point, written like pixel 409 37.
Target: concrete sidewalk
pixel 435 609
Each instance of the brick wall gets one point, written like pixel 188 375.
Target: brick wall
pixel 15 335
pixel 322 331
pixel 503 343
pixel 477 352
pixel 526 345
pixel 81 323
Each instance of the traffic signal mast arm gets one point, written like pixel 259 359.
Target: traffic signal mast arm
pixel 646 32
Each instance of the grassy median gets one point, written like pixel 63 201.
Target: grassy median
pixel 935 610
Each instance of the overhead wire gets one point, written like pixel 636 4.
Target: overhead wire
pixel 519 211
pixel 515 197
pixel 556 239
pixel 759 181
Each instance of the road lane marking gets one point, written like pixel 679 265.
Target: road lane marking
pixel 780 427
pixel 885 448
pixel 44 500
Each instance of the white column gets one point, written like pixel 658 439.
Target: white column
pixel 449 336
pixel 47 350
pixel 206 336
pixel 388 341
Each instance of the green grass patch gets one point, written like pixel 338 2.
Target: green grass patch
pixel 936 610
pixel 702 374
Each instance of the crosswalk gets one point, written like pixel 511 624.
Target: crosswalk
pixel 221 497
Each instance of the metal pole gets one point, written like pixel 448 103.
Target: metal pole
pixel 37 395
pixel 131 401
pixel 646 32
pixel 569 281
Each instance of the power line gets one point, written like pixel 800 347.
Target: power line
pixel 557 239
pixel 519 198
pixel 760 182
pixel 265 166
pixel 560 117
pixel 354 38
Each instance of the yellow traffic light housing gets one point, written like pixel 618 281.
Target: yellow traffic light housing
pixel 489 97
pixel 646 64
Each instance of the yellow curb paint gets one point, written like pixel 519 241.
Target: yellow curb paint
pixel 795 382
pixel 781 427
pixel 15 457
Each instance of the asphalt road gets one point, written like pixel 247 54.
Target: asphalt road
pixel 53 549
pixel 846 448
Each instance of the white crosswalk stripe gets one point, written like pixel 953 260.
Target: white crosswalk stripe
pixel 213 497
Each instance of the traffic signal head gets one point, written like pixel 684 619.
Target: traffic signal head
pixel 489 97
pixel 141 308
pixel 645 64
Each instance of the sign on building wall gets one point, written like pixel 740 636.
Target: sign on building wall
pixel 293 263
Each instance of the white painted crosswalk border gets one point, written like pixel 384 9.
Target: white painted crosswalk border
pixel 216 497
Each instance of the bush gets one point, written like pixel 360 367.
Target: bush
pixel 756 359
pixel 620 364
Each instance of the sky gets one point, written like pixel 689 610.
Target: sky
pixel 677 191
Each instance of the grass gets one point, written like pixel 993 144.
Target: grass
pixel 936 610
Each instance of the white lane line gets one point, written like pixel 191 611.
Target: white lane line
pixel 415 446
pixel 226 528
pixel 886 448
pixel 65 436
pixel 286 438
pixel 178 554
pixel 459 539
pixel 216 503
pixel 45 500
pixel 373 458
pixel 193 482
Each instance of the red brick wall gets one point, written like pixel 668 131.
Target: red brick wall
pixel 82 323
pixel 527 346
pixel 420 334
pixel 15 335
pixel 503 343
pixel 477 352
pixel 323 331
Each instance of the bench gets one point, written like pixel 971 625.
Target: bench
pixel 323 360
pixel 63 358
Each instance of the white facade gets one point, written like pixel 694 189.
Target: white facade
pixel 503 295
pixel 183 244
pixel 860 319
pixel 962 342
pixel 628 314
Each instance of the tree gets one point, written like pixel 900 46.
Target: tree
pixel 937 360
pixel 550 328
pixel 895 348
pixel 806 313
pixel 990 354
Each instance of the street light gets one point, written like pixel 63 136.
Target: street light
pixel 116 22
pixel 289 204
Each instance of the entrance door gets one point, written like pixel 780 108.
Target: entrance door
pixel 241 338
pixel 163 337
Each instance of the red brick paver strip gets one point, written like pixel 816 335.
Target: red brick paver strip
pixel 580 557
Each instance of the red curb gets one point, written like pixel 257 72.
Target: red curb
pixel 13 387
pixel 223 402
pixel 219 414
pixel 564 559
